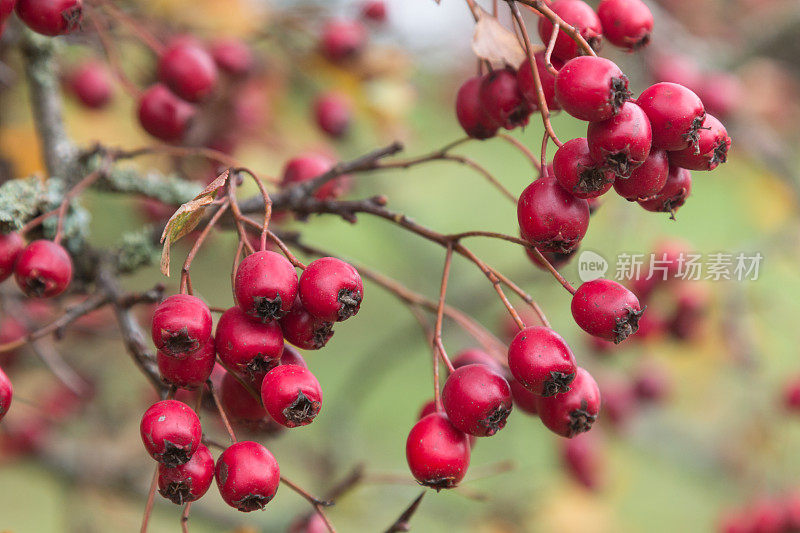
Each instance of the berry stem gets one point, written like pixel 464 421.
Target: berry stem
pixel 279 243
pixel 222 414
pixel 111 53
pixel 139 31
pixel 267 205
pixel 548 54
pixel 148 508
pixel 549 14
pixel 438 345
pixel 185 518
pixel 314 501
pixel 237 217
pixel 185 282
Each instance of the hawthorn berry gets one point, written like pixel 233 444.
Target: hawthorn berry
pixel 591 88
pixel 523 398
pixel 291 395
pixel 582 17
pixel 606 309
pixel 232 56
pixel 265 286
pixel 722 94
pixel 187 69
pixel 332 114
pixel 626 23
pixel 428 408
pixel 674 193
pixel 342 40
pixel 92 85
pixel 6 394
pixel 577 172
pixel 437 453
pixel 181 325
pixel 712 148
pixel 527 86
pixel 171 432
pixel 622 142
pixel 191 372
pixel 541 361
pixel 331 289
pixel 247 476
pixel 11 246
pixel 574 411
pixel 551 218
pixel 243 406
pixel 187 482
pixel 471 113
pixel 374 10
pixel 247 346
pixel 163 115
pixel 310 523
pixel 676 115
pixel 619 402
pixel 43 269
pixel 651 384
pixel 308 166
pixel 50 17
pixel 502 99
pixel 691 306
pixel 304 330
pixel 582 459
pixel 647 179
pixel 477 400
pixel 6 8
pixel 476 356
pixel 291 356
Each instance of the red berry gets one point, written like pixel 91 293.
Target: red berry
pixel 674 193
pixel 573 412
pixel 342 40
pixel 163 115
pixel 582 17
pixel 471 113
pixel 232 56
pixel 477 400
pixel 92 85
pixel 591 88
pixel 437 452
pixel 292 357
pixel 43 269
pixel 622 142
pixel 523 398
pixel 647 179
pixel 500 95
pixel 626 23
pixel 50 17
pixel 181 325
pixel 476 356
pixel 242 406
pixel 676 115
pixel 6 8
pixel 583 460
pixel 722 94
pixel 676 69
pixel 541 361
pixel 577 172
pixel 374 10
pixel 712 148
pixel 309 166
pixel 331 289
pixel 191 372
pixel 692 304
pixel 551 218
pixel 304 330
pixel 171 432
pixel 247 476
pixel 606 309
pixel 548 80
pixel 187 69
pixel 187 482
pixel 6 394
pixel 619 402
pixel 651 384
pixel 428 408
pixel 332 113
pixel 247 346
pixel 265 286
pixel 291 395
pixel 312 523
pixel 11 246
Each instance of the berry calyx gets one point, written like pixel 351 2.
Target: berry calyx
pixel 574 411
pixel 477 400
pixel 647 179
pixel 304 330
pixel 188 69
pixel 551 218
pixel 591 88
pixel 291 395
pixel 676 115
pixel 265 286
pixel 6 394
pixel 577 172
pixel 627 24
pixel 622 142
pixel 606 309
pixel 187 482
pixel 247 346
pixel 171 432
pixel 343 40
pixel 541 361
pixel 712 148
pixel 181 325
pixel 308 166
pixel 501 97
pixel 43 269
pixel 331 289
pixel 332 113
pixel 163 115
pixel 471 113
pixel 190 372
pixel 528 88
pixel 674 193
pixel 11 246
pixel 92 85
pixel 582 17
pixel 247 476
pixel 50 17
pixel 437 453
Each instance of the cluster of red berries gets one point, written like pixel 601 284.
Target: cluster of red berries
pixel 273 306
pixel 48 17
pixel 773 514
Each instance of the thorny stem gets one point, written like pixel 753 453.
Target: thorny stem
pixel 221 410
pixel 196 247
pixel 314 501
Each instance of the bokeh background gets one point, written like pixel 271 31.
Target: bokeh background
pixel 721 439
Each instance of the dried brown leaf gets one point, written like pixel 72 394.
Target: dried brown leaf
pixel 494 42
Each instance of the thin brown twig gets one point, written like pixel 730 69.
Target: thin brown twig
pixel 314 501
pixel 221 411
pixel 196 247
